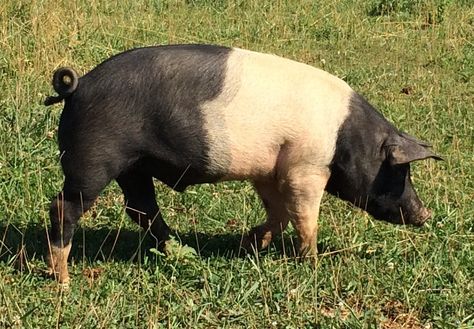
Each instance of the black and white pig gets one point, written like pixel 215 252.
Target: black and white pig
pixel 190 114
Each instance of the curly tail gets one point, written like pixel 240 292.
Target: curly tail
pixel 65 81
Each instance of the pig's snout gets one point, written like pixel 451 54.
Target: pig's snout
pixel 422 217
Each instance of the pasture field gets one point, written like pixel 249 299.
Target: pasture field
pixel 413 60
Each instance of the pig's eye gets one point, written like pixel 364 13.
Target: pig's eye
pixel 390 180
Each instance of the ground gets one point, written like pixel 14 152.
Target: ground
pixel 413 60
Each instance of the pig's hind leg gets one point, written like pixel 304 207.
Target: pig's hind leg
pixel 80 190
pixel 277 218
pixel 141 206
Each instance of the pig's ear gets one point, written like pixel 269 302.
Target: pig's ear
pixel 404 148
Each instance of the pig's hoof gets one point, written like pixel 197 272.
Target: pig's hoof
pixel 64 286
pixel 257 239
pixel 57 271
pixel 165 245
pixel 62 278
pixel 57 263
pixel 308 253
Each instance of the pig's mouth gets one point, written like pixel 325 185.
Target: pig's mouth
pixel 418 218
pixel 399 215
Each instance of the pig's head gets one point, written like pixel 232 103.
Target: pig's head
pixel 391 195
pixel 371 168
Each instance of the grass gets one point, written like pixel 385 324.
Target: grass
pixel 414 60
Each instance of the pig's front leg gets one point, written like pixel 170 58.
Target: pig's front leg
pixel 303 188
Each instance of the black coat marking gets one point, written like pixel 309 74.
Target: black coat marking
pixel 361 172
pixel 141 108
pixel 358 146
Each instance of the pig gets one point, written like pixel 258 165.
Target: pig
pixel 191 114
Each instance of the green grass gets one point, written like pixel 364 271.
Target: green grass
pixel 369 274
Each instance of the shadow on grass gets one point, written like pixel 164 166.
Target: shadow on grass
pixel 108 244
pixel 19 246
